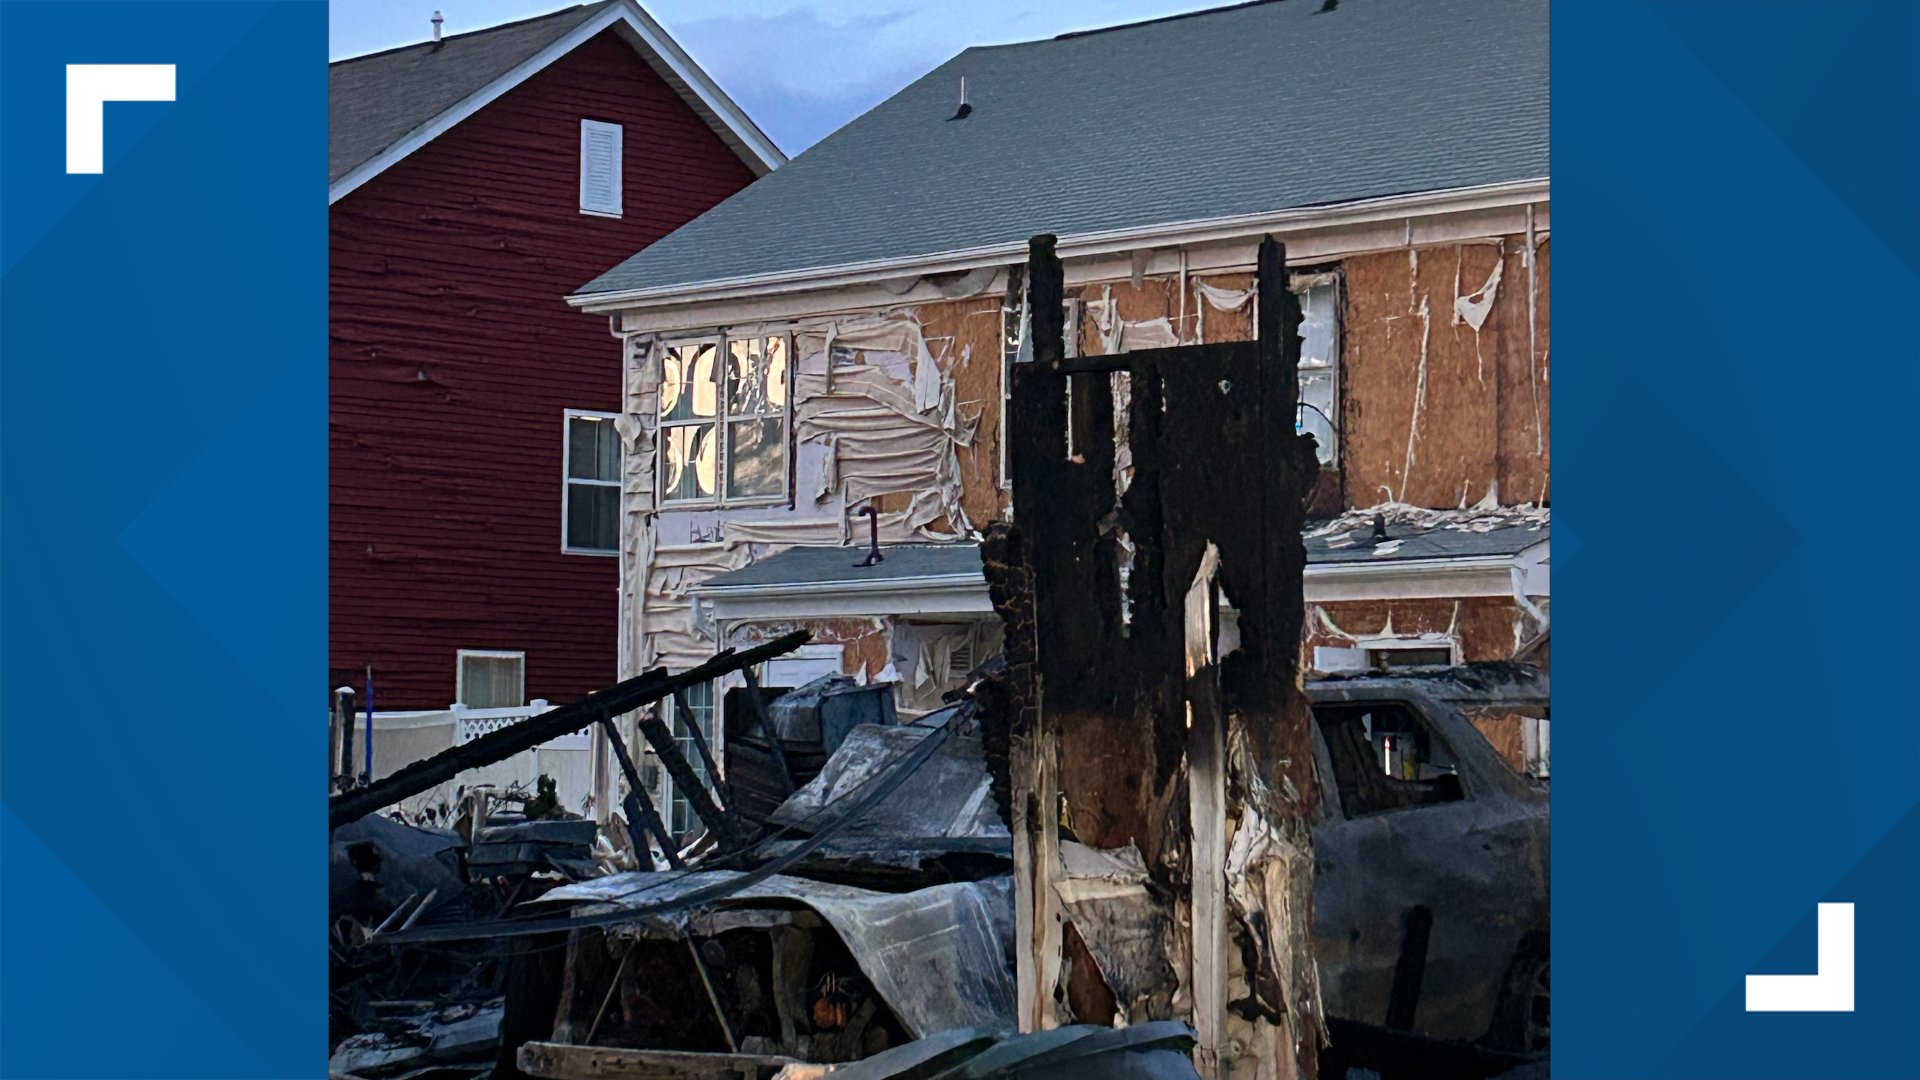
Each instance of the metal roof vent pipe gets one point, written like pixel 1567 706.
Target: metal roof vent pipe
pixel 965 109
pixel 437 20
pixel 873 533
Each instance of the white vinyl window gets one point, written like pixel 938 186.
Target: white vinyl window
pixel 591 502
pixel 599 168
pixel 491 679
pixel 1319 296
pixel 724 410
pixel 681 818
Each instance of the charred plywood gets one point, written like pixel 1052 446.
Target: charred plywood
pixel 1437 409
pixel 1134 719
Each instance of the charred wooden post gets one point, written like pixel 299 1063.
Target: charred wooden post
pixel 1137 715
pixel 643 689
pixel 642 819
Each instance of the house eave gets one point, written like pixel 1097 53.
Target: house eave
pixel 1084 245
pixel 1523 574
pixel 932 594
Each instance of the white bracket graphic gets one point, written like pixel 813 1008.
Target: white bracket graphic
pixel 1829 991
pixel 89 88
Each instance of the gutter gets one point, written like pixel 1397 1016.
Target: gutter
pixel 1415 579
pixel 840 588
pixel 1082 245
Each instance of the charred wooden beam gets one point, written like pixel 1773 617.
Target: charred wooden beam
pixel 723 825
pixel 640 812
pixel 643 689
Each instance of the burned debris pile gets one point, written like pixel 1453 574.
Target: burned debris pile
pixel 866 915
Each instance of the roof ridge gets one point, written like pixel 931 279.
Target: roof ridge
pixel 470 33
pixel 1162 19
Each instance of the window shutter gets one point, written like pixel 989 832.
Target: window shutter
pixel 599 168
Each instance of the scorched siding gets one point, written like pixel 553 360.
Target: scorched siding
pixel 453 358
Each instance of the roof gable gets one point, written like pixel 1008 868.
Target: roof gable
pixel 1234 112
pixel 384 106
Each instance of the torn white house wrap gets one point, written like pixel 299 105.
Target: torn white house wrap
pixel 1220 300
pixel 675 635
pixel 1474 307
pixel 873 395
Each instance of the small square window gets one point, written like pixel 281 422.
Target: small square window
pixel 592 496
pixel 491 680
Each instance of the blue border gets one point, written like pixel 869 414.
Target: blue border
pixel 162 565
pixel 1737 219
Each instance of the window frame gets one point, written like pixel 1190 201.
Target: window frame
pixel 1424 721
pixel 567 480
pixel 460 657
pixel 618 201
pixel 1409 643
pixel 720 499
pixel 1298 284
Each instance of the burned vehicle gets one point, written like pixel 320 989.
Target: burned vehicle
pixel 1431 853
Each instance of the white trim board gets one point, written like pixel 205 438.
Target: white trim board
pixel 1404 579
pixel 1431 579
pixel 933 594
pixel 648 39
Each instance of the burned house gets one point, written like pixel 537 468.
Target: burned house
pixel 1141 371
pixel 824 358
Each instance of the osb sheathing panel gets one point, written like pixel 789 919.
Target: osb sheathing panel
pixel 1484 625
pixel 1415 373
pixel 1160 298
pixel 1525 461
pixel 969 331
pixel 1506 734
pixel 864 639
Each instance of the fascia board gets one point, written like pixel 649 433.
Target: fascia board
pixel 1409 579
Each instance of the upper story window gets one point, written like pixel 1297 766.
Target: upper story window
pixel 724 411
pixel 1320 362
pixel 592 498
pixel 599 168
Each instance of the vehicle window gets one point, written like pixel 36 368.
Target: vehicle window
pixel 1386 757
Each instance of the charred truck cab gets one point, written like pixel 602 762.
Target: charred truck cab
pixel 1431 855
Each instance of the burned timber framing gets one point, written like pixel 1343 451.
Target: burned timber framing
pixel 1153 612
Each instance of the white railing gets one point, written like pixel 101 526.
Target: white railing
pixel 470 724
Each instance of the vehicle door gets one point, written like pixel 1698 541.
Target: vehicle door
pixel 1430 866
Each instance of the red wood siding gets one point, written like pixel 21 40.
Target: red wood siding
pixel 453 358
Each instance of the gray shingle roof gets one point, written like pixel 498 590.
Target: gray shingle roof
pixel 834 565
pixel 1244 110
pixel 373 101
pixel 1413 542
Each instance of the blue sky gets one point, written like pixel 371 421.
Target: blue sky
pixel 801 68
